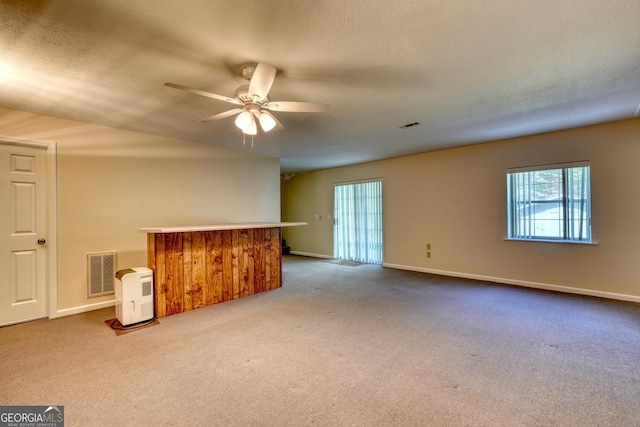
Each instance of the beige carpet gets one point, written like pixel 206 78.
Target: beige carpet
pixel 342 346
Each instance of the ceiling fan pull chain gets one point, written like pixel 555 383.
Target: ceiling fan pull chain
pixel 244 137
pixel 252 142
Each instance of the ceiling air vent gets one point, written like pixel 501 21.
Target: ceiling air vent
pixel 409 125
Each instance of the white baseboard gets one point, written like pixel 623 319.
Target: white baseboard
pixel 84 308
pixel 311 255
pixel 523 283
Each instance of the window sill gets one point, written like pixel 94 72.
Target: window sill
pixel 564 242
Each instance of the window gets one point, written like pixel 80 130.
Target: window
pixel 550 202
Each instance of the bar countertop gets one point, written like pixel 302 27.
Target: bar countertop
pixel 213 227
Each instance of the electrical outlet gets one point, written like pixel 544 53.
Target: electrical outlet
pixel 428 254
pixel 428 246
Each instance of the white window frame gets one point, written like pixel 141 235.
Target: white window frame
pixel 527 233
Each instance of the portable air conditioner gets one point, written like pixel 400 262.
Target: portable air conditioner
pixel 134 294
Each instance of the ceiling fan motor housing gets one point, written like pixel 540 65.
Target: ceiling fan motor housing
pixel 247 72
pixel 242 94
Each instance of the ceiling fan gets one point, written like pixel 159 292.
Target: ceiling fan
pixel 253 101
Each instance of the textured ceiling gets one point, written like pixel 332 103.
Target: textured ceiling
pixel 468 71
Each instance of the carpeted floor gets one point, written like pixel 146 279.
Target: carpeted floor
pixel 342 346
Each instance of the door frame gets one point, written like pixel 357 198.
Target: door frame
pixel 335 218
pixel 51 212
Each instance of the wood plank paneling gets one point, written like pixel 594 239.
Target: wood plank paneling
pixel 174 272
pixel 198 270
pixel 243 262
pixel 227 266
pixel 258 260
pixel 251 287
pixel 187 268
pixel 276 258
pixel 160 277
pixel 267 259
pixel 201 268
pixel 213 263
pixel 151 250
pixel 234 265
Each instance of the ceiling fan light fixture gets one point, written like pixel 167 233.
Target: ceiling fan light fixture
pixel 267 121
pixel 252 129
pixel 244 120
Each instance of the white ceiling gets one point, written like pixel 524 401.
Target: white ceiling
pixel 468 71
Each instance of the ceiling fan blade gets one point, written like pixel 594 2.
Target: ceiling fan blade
pixel 222 115
pixel 298 107
pixel 262 80
pixel 203 93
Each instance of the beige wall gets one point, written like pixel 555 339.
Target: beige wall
pixel 456 201
pixel 111 182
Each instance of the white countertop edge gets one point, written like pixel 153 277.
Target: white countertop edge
pixel 213 227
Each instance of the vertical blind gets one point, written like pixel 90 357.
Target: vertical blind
pixel 550 204
pixel 358 222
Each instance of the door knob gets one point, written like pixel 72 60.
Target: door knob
pixel 41 241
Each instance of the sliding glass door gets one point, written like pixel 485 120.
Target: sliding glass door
pixel 358 222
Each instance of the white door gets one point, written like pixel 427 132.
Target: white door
pixel 23 247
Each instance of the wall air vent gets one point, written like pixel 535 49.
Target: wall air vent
pixel 101 272
pixel 409 125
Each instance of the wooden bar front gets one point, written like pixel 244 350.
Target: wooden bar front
pixel 194 269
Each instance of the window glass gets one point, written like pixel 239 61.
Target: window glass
pixel 550 203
